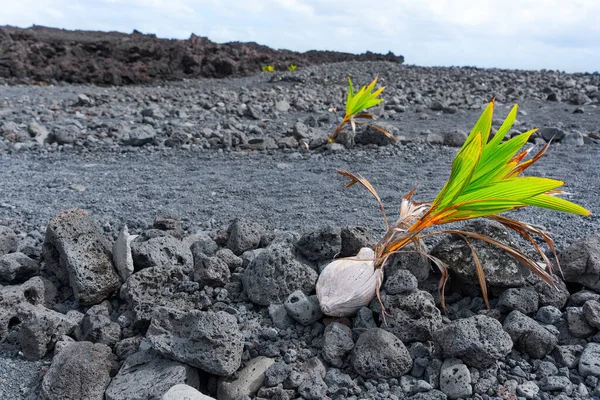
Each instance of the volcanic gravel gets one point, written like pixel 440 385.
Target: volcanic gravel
pixel 221 149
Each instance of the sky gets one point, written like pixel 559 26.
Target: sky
pixel 526 34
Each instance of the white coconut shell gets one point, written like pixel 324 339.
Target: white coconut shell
pixel 346 285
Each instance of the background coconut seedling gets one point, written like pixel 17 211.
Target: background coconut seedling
pixel 268 68
pixel 292 67
pixel 356 104
pixel 484 182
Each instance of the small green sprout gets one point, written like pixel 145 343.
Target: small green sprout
pixel 268 68
pixel 356 103
pixel 292 67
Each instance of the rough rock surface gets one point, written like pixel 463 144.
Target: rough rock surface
pixel 275 273
pixel 248 381
pixel 337 342
pixel 206 340
pixel 148 376
pixel 162 251
pixel 529 336
pixel 304 309
pixel 77 253
pixel 499 267
pixel 80 371
pixel 412 317
pixel 244 235
pixel 8 240
pixel 479 341
pixel 17 267
pixel 380 354
pixel 181 391
pixel 581 262
pixel 151 288
pixel 220 149
pixel 111 58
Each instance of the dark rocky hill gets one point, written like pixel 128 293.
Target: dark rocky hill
pixel 112 58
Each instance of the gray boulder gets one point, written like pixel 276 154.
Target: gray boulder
pixel 248 380
pixel 9 241
pixel 581 262
pixel 402 281
pixel 550 295
pixel 479 340
pixel 577 323
pixel 320 245
pixel 363 321
pixel 202 244
pixel 380 354
pixel 206 340
pixel 313 388
pixel 366 134
pixel 185 392
pixel 140 135
pixel 80 371
pixel 501 270
pixel 455 379
pixel 589 363
pixel 128 346
pixel 244 235
pixel 17 302
pixel 573 139
pixel 455 138
pixel 146 375
pixel 280 316
pixel 552 133
pixel 229 258
pixel 337 342
pixel 568 355
pixel 304 309
pixel 40 330
pixel 412 317
pixel 78 254
pixel 529 336
pixel 548 315
pixel 97 327
pixel 275 273
pixel 277 373
pixel 211 271
pixel 147 290
pixel 309 371
pixel 338 383
pixel 17 267
pixel 354 238
pixel 162 251
pixel 524 299
pixel 415 263
pixel 591 311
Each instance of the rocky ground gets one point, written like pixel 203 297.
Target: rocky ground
pixel 231 188
pixel 43 55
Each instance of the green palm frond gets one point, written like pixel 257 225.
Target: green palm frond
pixel 356 104
pixel 484 182
pixel 484 178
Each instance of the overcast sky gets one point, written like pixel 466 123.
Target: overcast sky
pixel 524 34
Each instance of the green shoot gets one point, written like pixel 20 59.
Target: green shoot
pixel 484 182
pixel 356 103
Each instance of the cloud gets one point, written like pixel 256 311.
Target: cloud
pixel 527 34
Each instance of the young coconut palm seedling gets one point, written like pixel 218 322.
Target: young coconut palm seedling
pixel 356 104
pixel 484 182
